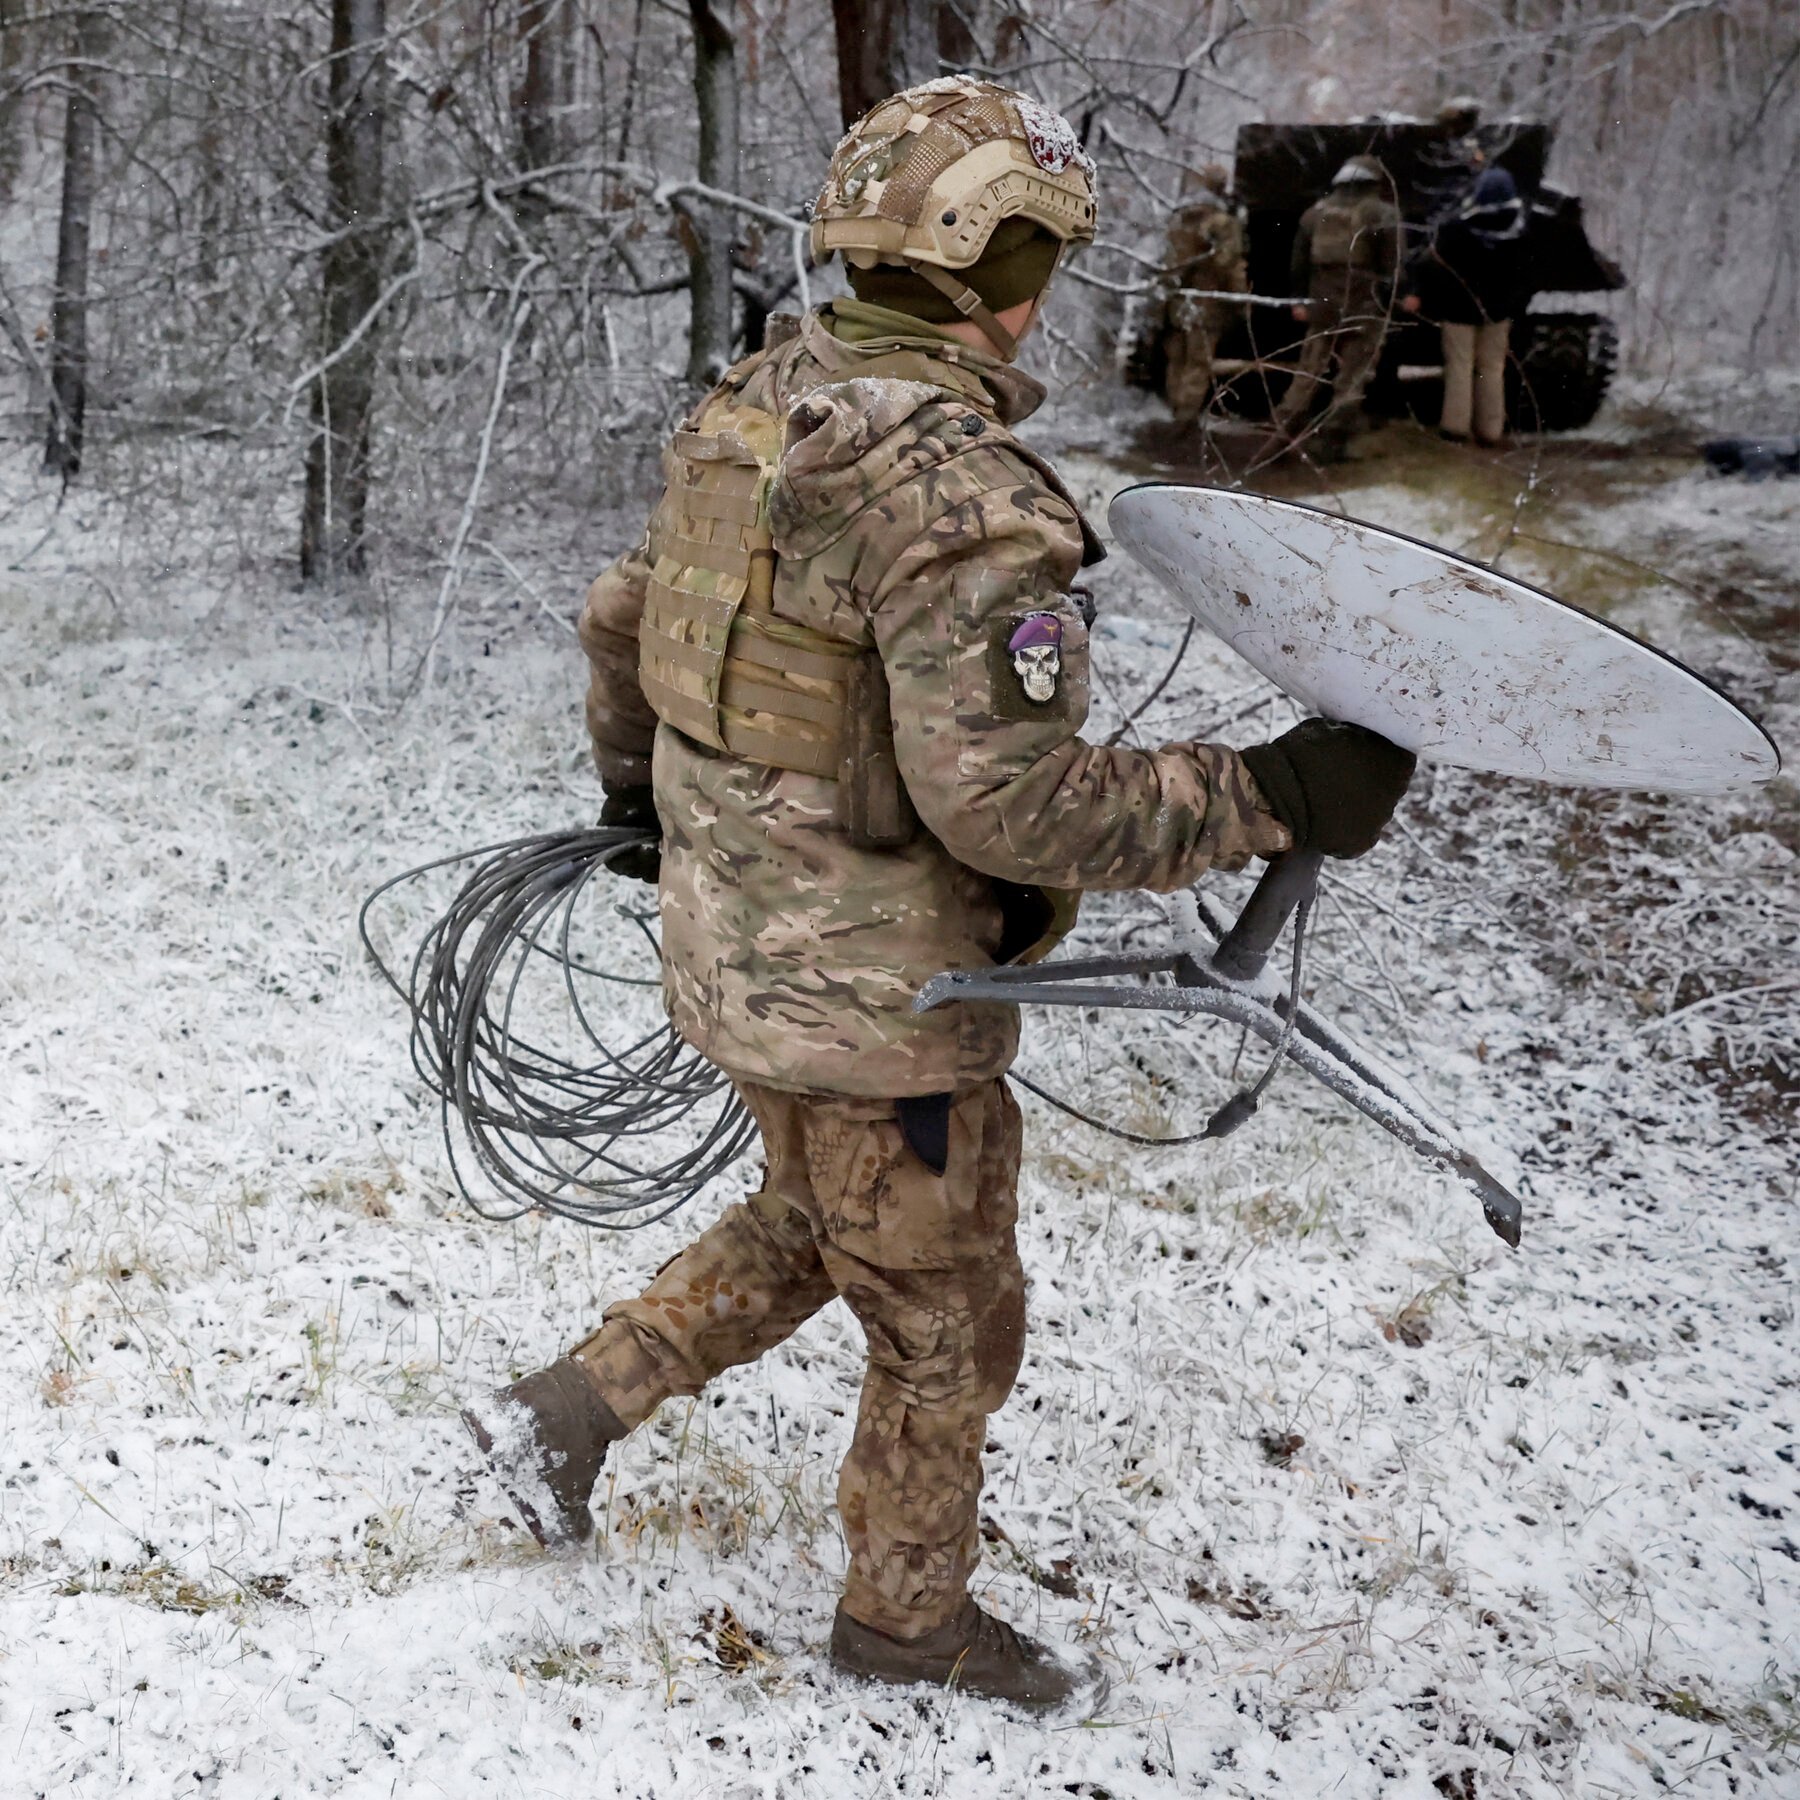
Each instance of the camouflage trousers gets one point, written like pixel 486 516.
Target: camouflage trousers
pixel 1346 326
pixel 929 1266
pixel 1194 332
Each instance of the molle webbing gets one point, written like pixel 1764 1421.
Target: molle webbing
pixel 904 192
pixel 935 148
pixel 714 660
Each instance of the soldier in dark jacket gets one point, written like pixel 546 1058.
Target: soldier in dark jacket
pixel 1451 158
pixel 1474 281
pixel 1346 255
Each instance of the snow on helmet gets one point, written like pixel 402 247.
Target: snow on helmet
pixel 1359 169
pixel 924 179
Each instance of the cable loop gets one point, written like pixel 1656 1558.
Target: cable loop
pixel 552 1128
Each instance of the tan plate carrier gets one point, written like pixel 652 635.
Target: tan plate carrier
pixel 718 664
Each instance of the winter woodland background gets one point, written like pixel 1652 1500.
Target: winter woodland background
pixel 477 237
pixel 338 344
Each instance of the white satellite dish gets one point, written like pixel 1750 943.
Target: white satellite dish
pixel 1442 656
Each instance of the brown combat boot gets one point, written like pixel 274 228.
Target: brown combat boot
pixel 545 1438
pixel 975 1654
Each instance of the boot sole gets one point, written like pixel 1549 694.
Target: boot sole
pixel 568 1529
pixel 1082 1703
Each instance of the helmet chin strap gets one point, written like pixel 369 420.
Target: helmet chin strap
pixel 971 305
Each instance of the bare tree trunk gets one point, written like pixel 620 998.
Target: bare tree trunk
pixel 631 82
pixel 69 308
pixel 957 47
pixel 882 46
pixel 332 526
pixel 713 228
pixel 210 201
pixel 14 48
pixel 535 103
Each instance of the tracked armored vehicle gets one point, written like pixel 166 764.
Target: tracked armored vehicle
pixel 1562 360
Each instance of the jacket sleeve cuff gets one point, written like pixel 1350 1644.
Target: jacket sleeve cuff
pixel 621 768
pixel 1268 836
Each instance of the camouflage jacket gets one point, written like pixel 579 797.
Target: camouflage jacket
pixel 1339 235
pixel 905 517
pixel 1206 249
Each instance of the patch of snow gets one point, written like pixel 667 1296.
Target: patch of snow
pixel 1348 1497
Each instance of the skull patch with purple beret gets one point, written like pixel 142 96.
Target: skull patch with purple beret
pixel 1036 650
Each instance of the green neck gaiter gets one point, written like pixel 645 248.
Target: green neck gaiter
pixel 1016 265
pixel 859 322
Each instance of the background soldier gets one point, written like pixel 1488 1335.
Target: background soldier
pixel 1205 256
pixel 1475 279
pixel 845 673
pixel 1451 158
pixel 1346 257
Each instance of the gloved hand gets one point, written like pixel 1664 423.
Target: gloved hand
pixel 634 807
pixel 1333 786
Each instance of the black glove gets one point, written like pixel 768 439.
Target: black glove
pixel 1333 786
pixel 634 808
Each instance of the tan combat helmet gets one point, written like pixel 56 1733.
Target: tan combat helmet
pixel 1211 180
pixel 924 179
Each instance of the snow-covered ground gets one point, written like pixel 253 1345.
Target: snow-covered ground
pixel 1353 1500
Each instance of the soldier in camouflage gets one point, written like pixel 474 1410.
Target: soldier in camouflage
pixel 1205 260
pixel 1345 260
pixel 845 676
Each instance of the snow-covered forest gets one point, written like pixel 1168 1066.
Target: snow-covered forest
pixel 338 345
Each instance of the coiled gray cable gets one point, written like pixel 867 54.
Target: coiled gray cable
pixel 553 1132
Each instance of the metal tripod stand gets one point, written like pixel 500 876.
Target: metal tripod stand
pixel 1233 984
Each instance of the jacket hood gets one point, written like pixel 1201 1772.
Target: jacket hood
pixel 862 418
pixel 1494 212
pixel 1008 393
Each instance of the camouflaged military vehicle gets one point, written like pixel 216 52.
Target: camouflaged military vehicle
pixel 1562 359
